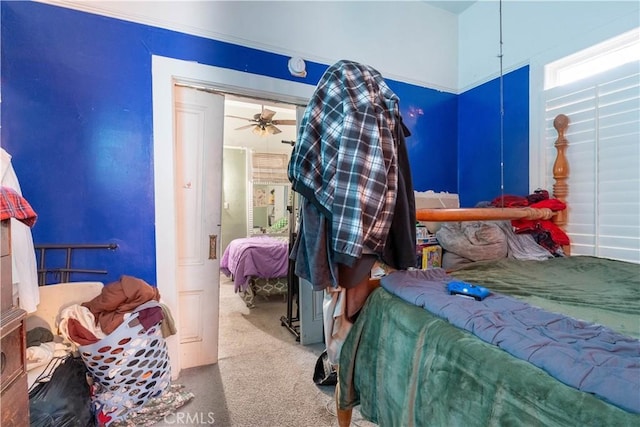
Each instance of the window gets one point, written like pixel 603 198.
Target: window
pixel 597 59
pixel 604 145
pixel 269 192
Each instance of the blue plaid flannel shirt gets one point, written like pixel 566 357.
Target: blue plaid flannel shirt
pixel 345 158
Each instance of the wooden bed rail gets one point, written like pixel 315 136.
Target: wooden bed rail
pixel 560 192
pixel 483 214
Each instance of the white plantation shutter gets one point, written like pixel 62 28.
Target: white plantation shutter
pixel 269 168
pixel 604 161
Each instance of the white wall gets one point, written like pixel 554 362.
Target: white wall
pixel 533 30
pixel 408 41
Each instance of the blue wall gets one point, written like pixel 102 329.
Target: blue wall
pixel 77 119
pixel 479 155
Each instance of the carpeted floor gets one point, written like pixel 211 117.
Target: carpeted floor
pixel 264 378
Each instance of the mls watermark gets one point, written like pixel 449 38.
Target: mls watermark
pixel 189 418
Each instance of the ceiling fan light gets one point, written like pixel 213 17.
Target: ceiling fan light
pixel 260 131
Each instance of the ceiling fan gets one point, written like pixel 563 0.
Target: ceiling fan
pixel 263 123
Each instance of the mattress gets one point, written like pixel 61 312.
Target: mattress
pixel 408 365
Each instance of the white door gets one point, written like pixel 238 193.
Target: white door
pixel 165 72
pixel 198 123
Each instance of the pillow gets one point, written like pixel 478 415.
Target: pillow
pixel 279 226
pixel 474 240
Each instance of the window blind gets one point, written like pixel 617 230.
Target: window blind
pixel 269 168
pixel 604 161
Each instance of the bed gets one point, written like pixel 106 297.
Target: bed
pixel 417 356
pixel 258 265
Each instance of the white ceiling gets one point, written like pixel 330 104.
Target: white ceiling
pixel 453 6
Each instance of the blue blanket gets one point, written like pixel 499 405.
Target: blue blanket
pixel 587 356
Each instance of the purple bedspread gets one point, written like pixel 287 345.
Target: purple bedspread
pixel 262 256
pixel 587 356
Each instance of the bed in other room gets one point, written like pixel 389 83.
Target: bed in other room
pixel 258 265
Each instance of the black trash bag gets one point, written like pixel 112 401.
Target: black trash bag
pixel 324 372
pixel 64 400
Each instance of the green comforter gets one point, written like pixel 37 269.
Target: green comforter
pixel 594 289
pixel 407 367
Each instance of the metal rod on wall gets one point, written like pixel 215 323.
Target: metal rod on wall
pixel 65 272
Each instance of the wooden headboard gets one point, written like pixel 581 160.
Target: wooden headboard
pixel 560 192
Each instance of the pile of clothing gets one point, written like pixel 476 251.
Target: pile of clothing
pixel 87 323
pixel 544 231
pixel 472 241
pixel 115 344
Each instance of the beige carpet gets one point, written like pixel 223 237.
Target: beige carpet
pixel 263 377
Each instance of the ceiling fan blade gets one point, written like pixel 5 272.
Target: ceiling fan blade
pixel 238 117
pixel 267 114
pixel 273 130
pixel 245 127
pixel 283 122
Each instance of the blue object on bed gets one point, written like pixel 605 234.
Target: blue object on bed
pixel 469 290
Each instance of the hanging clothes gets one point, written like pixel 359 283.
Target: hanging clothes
pixel 351 167
pixel 23 255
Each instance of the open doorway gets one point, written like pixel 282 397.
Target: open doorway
pixel 245 135
pixel 166 73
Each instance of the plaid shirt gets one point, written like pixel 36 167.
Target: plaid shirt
pixel 344 161
pixel 13 205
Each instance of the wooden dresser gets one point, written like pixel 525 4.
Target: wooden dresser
pixel 14 399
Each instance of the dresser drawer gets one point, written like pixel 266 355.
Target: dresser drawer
pixel 6 290
pixel 12 356
pixel 5 237
pixel 15 404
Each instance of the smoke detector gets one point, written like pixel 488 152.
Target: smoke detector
pixel 297 67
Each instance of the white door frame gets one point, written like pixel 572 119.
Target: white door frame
pixel 166 72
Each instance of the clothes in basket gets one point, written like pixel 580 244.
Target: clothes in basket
pixel 129 366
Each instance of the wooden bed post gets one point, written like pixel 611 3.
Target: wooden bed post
pixel 344 415
pixel 560 192
pixel 561 173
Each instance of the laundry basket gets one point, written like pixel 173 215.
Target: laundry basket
pixel 129 366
